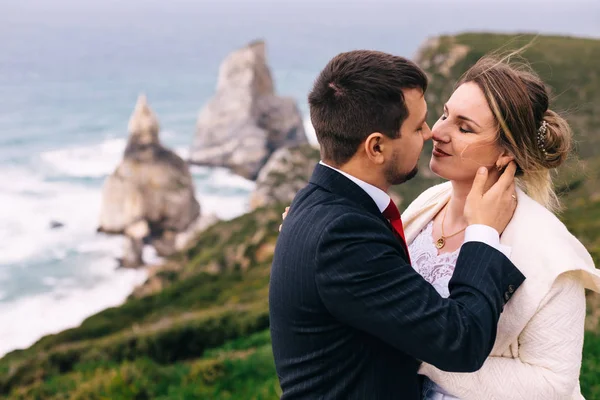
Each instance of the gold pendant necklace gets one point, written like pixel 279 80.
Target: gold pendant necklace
pixel 441 242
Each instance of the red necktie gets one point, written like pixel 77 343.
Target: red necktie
pixel 393 215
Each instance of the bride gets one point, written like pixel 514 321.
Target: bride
pixel 497 114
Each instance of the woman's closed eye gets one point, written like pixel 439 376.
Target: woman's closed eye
pixel 463 129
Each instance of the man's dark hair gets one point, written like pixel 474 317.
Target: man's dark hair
pixel 358 93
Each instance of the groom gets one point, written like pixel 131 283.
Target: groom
pixel 350 318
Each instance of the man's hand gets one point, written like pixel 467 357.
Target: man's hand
pixel 494 207
pixel 285 213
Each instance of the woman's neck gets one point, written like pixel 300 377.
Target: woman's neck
pixel 456 205
pixel 458 199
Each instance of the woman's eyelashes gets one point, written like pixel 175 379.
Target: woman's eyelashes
pixel 460 128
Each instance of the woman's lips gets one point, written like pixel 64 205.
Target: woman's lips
pixel 439 153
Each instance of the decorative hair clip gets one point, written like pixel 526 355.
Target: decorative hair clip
pixel 541 137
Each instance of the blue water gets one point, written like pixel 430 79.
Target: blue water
pixel 70 73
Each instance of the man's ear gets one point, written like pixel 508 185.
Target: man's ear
pixel 375 147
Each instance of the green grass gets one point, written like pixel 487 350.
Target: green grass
pixel 583 220
pixel 241 369
pixel 590 371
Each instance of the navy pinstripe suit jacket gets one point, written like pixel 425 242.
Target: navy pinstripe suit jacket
pixel 350 318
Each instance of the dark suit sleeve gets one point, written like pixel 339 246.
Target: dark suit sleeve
pixel 365 282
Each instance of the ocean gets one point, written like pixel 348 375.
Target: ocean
pixel 70 73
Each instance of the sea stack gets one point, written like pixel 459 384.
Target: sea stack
pixel 149 198
pixel 245 122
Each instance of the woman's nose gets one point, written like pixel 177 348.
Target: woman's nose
pixel 439 132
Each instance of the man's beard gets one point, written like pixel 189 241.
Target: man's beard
pixel 393 177
pixel 411 174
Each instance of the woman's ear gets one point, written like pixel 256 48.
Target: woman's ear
pixel 504 159
pixel 374 147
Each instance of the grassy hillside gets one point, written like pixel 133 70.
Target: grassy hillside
pixel 198 329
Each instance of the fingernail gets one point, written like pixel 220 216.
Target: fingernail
pixel 481 171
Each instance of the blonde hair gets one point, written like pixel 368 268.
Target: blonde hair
pixel 520 103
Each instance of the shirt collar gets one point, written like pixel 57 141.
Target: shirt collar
pixel 381 198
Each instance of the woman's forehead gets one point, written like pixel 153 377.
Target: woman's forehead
pixel 468 100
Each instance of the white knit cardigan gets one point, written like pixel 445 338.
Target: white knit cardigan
pixel 538 349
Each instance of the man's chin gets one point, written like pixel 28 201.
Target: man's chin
pixel 407 177
pixel 412 174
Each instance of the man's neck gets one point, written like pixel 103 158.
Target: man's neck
pixel 361 172
pixel 379 196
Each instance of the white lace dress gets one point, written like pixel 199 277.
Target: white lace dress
pixel 437 270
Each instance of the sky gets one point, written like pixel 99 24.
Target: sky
pixel 579 17
pixel 299 34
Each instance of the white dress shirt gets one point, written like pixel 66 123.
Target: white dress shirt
pixel 473 233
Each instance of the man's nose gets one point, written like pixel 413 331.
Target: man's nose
pixel 426 133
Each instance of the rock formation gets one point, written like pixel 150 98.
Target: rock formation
pixel 245 121
pixel 286 172
pixel 56 224
pixel 149 198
